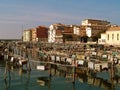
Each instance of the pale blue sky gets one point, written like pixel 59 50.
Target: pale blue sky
pixel 15 14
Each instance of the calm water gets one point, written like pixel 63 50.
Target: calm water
pixel 18 79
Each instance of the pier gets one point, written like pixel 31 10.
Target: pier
pixel 73 59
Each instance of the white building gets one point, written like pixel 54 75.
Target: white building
pixel 56 31
pixel 111 36
pixel 51 34
pixel 102 40
pixel 76 30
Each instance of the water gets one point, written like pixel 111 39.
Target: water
pixel 18 79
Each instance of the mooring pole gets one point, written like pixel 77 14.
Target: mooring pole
pixel 50 69
pixel 74 72
pixel 5 73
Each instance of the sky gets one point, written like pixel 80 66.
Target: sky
pixel 18 15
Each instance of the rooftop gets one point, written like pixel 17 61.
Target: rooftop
pixel 114 28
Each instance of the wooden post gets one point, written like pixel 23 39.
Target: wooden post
pixel 74 71
pixel 5 74
pixel 49 69
pixel 29 68
pixel 112 67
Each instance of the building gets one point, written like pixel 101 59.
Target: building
pixel 27 35
pixel 102 40
pixel 34 35
pixel 42 33
pixel 58 32
pixel 39 33
pixel 113 36
pixel 93 28
pixel 94 22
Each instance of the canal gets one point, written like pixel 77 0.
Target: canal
pixel 22 79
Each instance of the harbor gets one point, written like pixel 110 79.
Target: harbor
pixel 59 45
pixel 50 66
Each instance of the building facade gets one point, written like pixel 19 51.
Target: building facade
pixel 113 36
pixel 34 35
pixel 102 40
pixel 94 22
pixel 39 33
pixel 27 35
pixel 58 31
pixel 42 33
pixel 93 28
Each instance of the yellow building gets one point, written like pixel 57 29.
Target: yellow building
pixel 27 35
pixel 113 36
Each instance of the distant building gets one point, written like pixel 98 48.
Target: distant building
pixel 94 22
pixel 76 30
pixel 111 36
pixel 34 35
pixel 57 32
pixel 102 40
pixel 42 33
pixel 93 28
pixel 39 33
pixel 27 35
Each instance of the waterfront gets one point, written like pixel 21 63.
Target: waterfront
pixel 20 79
pixel 65 68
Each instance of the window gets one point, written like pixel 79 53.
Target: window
pixel 108 36
pixel 117 36
pixel 112 36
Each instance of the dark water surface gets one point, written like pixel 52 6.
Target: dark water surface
pixel 21 79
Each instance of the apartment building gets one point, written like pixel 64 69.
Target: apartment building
pixel 95 27
pixel 39 33
pixel 58 31
pixel 42 33
pixel 94 22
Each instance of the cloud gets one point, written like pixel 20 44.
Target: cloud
pixel 29 17
pixel 23 14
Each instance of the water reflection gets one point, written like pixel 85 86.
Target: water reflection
pixel 10 76
pixel 43 80
pixel 53 79
pixel 110 84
